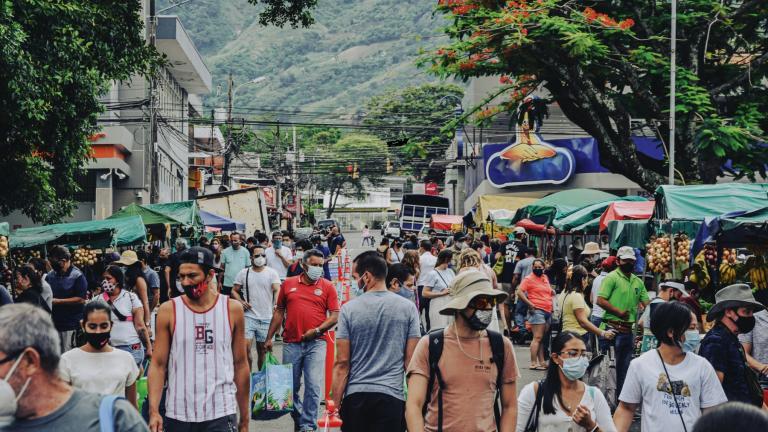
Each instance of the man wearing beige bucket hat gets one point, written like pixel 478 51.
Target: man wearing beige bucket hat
pixel 733 315
pixel 464 365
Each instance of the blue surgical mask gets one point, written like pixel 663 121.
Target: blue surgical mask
pixel 574 368
pixel 692 340
pixel 314 272
pixel 355 288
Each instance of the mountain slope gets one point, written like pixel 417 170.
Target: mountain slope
pixel 355 49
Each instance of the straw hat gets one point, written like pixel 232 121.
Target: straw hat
pixel 465 287
pixel 733 296
pixel 128 258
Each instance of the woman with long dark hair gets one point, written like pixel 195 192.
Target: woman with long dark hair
pixel 557 273
pixel 561 402
pixel 574 309
pixel 436 289
pixel 29 285
pixel 135 281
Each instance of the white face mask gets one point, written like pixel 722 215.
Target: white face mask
pixel 259 262
pixel 8 397
pixel 299 255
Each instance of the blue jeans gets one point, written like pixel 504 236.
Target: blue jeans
pixel 307 358
pixel 623 345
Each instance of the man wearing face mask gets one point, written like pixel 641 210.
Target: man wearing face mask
pixel 674 385
pixel 69 288
pixel 279 256
pixel 233 259
pixel 295 268
pixel 317 243
pixel 620 295
pixel 32 395
pixel 256 287
pixel 172 271
pixel 372 353
pixel 310 307
pixel 733 314
pixel 202 334
pixel 459 243
pixel 468 357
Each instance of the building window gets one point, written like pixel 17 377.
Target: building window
pixel 87 183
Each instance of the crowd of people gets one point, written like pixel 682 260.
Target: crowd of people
pixel 426 344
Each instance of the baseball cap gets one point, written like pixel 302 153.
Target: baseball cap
pixel 459 236
pixel 675 285
pixel 198 255
pixel 519 230
pixel 626 252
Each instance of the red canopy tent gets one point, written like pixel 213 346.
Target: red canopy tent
pixel 445 222
pixel 531 226
pixel 622 210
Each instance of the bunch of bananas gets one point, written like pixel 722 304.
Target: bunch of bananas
pixel 699 274
pixel 758 272
pixel 727 273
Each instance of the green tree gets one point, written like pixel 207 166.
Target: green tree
pixel 280 12
pixel 413 121
pixel 345 167
pixel 57 58
pixel 607 66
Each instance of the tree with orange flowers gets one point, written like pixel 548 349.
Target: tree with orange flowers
pixel 606 64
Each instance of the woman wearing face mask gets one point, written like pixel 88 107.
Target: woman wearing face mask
pixel 574 309
pixel 536 292
pixel 395 253
pixel 561 402
pixel 96 366
pixel 30 287
pixel 470 260
pixel 436 289
pixel 657 375
pixel 129 332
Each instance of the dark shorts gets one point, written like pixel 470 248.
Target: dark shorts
pixel 221 424
pixel 372 412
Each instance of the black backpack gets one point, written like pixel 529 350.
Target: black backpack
pixel 436 339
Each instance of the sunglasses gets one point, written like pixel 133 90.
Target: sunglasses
pixel 259 255
pixel 484 302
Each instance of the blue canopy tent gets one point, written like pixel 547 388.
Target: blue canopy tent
pixel 221 222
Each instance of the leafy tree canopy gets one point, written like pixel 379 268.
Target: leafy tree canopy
pixel 414 121
pixel 58 57
pixel 280 12
pixel 607 66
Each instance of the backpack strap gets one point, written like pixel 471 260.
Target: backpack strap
pixel 107 413
pixel 247 291
pixel 436 339
pixel 496 340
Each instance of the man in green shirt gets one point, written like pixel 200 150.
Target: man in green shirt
pixel 620 294
pixel 233 259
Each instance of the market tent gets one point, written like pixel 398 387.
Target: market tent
pixel 633 233
pixel 530 226
pixel 561 204
pixel 150 217
pixel 186 212
pixel 215 221
pixel 5 229
pixel 626 210
pixel 487 204
pixel 108 232
pixel 587 218
pixel 735 229
pixel 445 222
pixel 702 201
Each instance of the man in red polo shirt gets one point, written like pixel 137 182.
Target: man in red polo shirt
pixel 310 307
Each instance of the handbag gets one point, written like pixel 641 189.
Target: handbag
pixel 601 373
pixel 753 382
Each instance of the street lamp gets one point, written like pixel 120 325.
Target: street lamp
pixel 253 81
pixel 490 221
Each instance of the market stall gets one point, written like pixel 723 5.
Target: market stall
pixel 626 210
pixel 445 223
pixel 211 220
pixel 487 205
pixel 587 218
pixel 101 233
pixel 150 217
pixel 561 204
pixel 634 233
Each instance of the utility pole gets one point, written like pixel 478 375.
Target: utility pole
pixel 229 145
pixel 672 88
pixel 152 149
pixel 296 193
pixel 278 168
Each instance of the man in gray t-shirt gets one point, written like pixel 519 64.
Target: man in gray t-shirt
pixel 756 344
pixel 524 267
pixel 376 336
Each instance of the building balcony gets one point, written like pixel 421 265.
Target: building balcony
pixel 185 62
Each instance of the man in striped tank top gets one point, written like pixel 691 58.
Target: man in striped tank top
pixel 200 347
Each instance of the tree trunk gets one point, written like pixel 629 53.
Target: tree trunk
pixel 334 198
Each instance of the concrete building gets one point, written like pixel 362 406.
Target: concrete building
pixel 141 153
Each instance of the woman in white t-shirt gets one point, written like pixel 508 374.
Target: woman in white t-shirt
pixel 395 253
pixel 561 402
pixel 436 290
pixel 675 387
pixel 96 366
pixel 129 333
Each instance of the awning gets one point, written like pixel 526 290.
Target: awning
pixel 587 218
pixel 445 222
pixel 561 204
pixel 626 210
pixel 4 229
pixel 212 220
pixel 530 226
pixel 488 204
pixel 150 217
pixel 633 233
pixel 109 232
pixel 186 212
pixel 702 201
pixel 735 229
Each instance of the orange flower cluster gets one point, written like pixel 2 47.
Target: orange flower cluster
pixel 467 65
pixel 504 79
pixel 592 15
pixel 458 7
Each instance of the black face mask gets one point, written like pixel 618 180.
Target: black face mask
pixel 745 324
pixel 627 267
pixel 57 266
pixel 480 320
pixel 538 271
pixel 97 340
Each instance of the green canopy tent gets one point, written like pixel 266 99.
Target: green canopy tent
pixel 150 217
pixel 633 233
pixel 185 212
pixel 109 232
pixel 5 229
pixel 561 204
pixel 587 218
pixel 749 228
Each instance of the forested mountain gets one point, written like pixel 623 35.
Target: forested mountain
pixel 355 49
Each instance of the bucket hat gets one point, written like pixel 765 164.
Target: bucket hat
pixel 468 285
pixel 591 248
pixel 128 258
pixel 733 296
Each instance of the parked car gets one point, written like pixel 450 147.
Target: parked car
pixel 326 224
pixel 391 229
pixel 303 233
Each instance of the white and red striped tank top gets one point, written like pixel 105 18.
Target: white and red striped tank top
pixel 201 366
